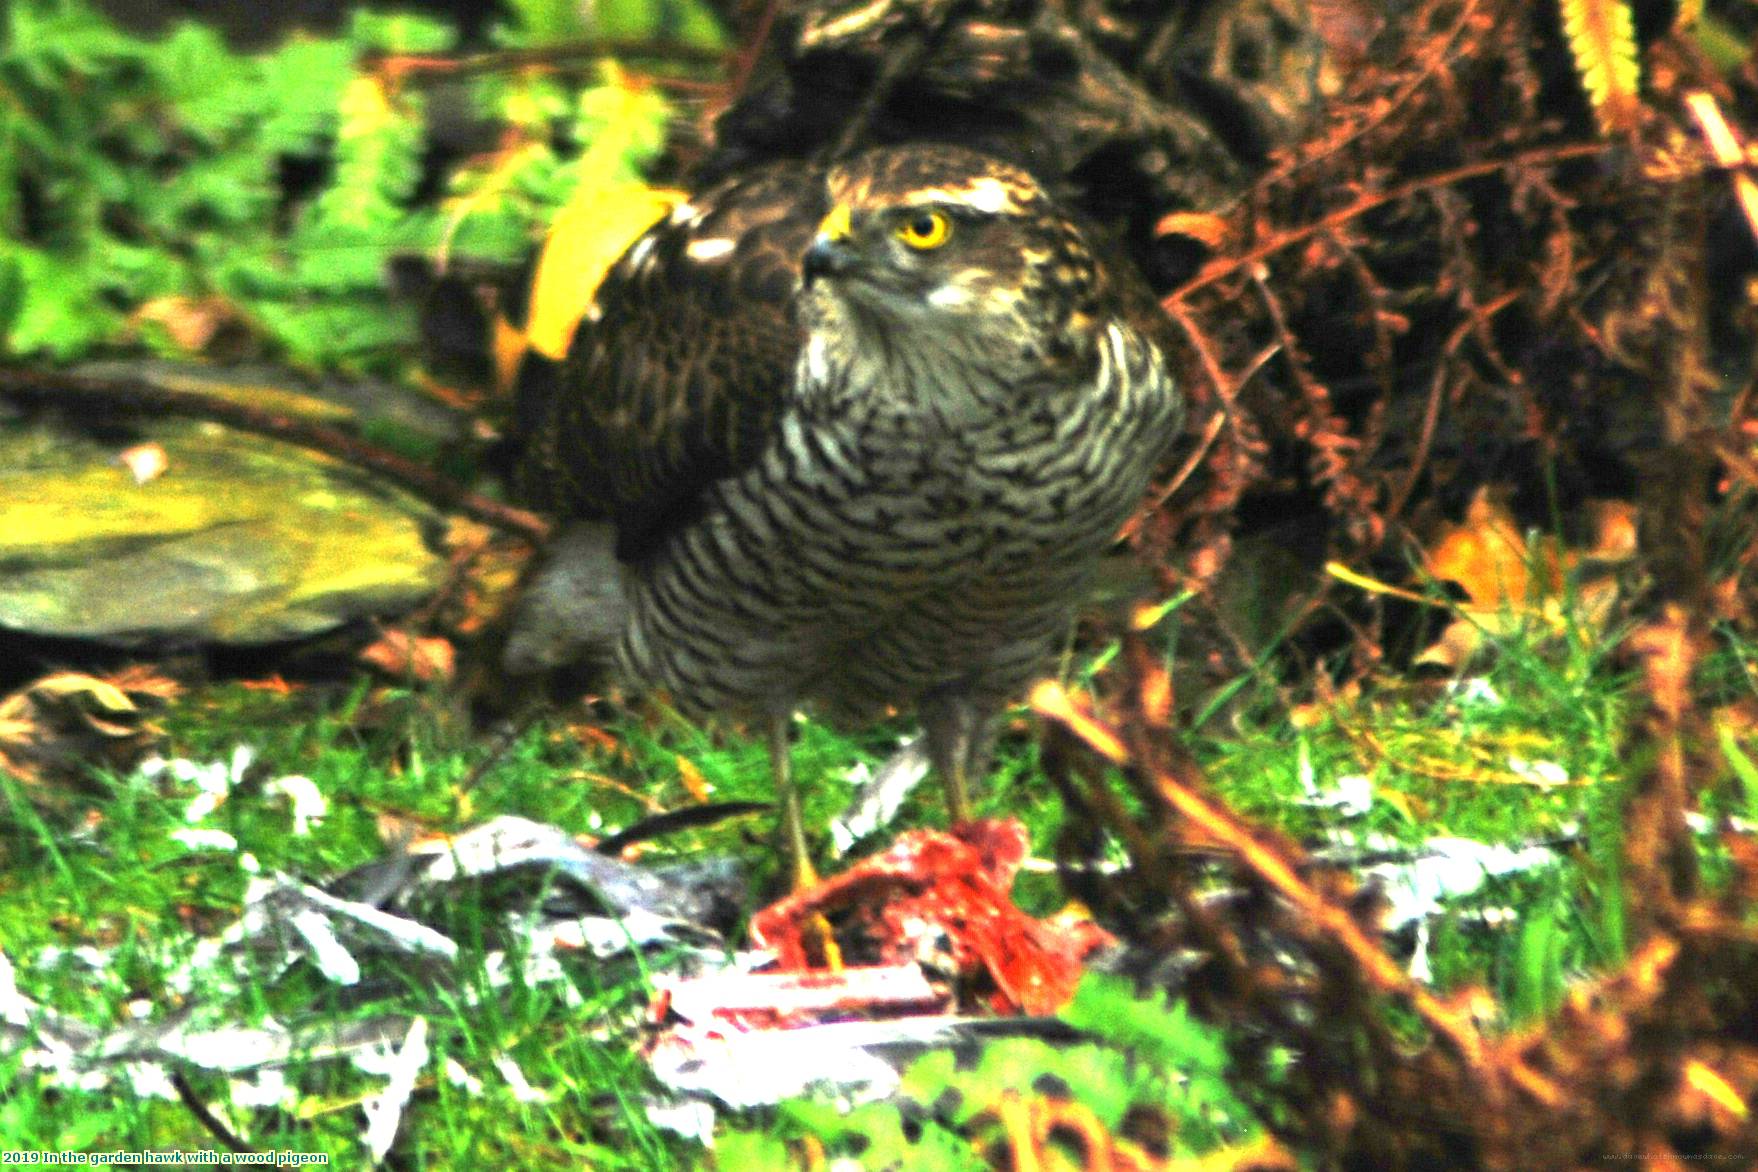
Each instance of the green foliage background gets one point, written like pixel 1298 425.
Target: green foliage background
pixel 134 170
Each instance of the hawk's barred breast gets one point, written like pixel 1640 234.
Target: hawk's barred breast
pixel 911 500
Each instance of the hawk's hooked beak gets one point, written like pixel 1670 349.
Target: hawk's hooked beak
pixel 832 252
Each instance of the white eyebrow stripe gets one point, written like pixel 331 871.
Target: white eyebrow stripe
pixel 710 249
pixel 983 193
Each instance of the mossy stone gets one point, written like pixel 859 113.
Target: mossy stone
pixel 241 540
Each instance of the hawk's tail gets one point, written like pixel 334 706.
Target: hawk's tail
pixel 573 608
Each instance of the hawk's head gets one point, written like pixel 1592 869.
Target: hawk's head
pixel 928 234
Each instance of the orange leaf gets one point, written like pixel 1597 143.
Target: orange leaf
pixel 423 658
pixel 693 779
pixel 1204 227
pixel 1487 556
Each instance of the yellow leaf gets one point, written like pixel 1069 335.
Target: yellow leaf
pixel 592 231
pixel 1204 227
pixel 1401 802
pixel 1511 583
pixel 485 186
pixel 1343 573
pixel 99 693
pixel 1714 1087
pixel 1602 38
pixel 365 107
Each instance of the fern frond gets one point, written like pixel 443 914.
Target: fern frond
pixel 1602 40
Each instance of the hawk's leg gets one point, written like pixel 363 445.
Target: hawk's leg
pixel 819 941
pixel 961 730
pixel 793 830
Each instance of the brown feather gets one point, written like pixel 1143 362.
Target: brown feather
pixel 675 380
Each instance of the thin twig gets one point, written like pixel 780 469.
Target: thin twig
pixel 1432 412
pixel 745 63
pixel 1728 152
pixel 1223 267
pixel 550 56
pixel 1380 112
pixel 903 61
pixel 215 1127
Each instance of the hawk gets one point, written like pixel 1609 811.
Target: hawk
pixel 855 438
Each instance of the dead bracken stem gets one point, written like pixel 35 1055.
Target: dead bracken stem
pixel 1277 868
pixel 1546 1098
pixel 1246 262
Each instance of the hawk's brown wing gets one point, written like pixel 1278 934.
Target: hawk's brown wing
pixel 677 377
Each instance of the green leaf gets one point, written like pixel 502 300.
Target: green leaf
pixel 139 271
pixel 1743 766
pixel 622 128
pixel 45 38
pixel 400 32
pixel 336 257
pixel 11 204
pixel 159 166
pixel 356 333
pixel 1163 1034
pixel 543 22
pixel 237 187
pixel 1539 984
pixel 874 1134
pixel 502 236
pixel 61 313
pixel 300 82
pixel 1096 1077
pixel 85 1131
pixel 12 292
pixel 200 77
pixel 678 20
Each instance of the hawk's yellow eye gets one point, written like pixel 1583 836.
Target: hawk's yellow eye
pixel 925 230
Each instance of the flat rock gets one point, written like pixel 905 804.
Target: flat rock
pixel 241 540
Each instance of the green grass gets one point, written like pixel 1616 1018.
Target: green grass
pixel 1531 746
pixel 108 874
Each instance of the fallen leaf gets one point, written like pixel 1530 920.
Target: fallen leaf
pixel 592 736
pixel 275 684
pixel 1513 581
pixel 193 324
pixel 1487 556
pixel 1204 227
pixel 424 658
pixel 55 729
